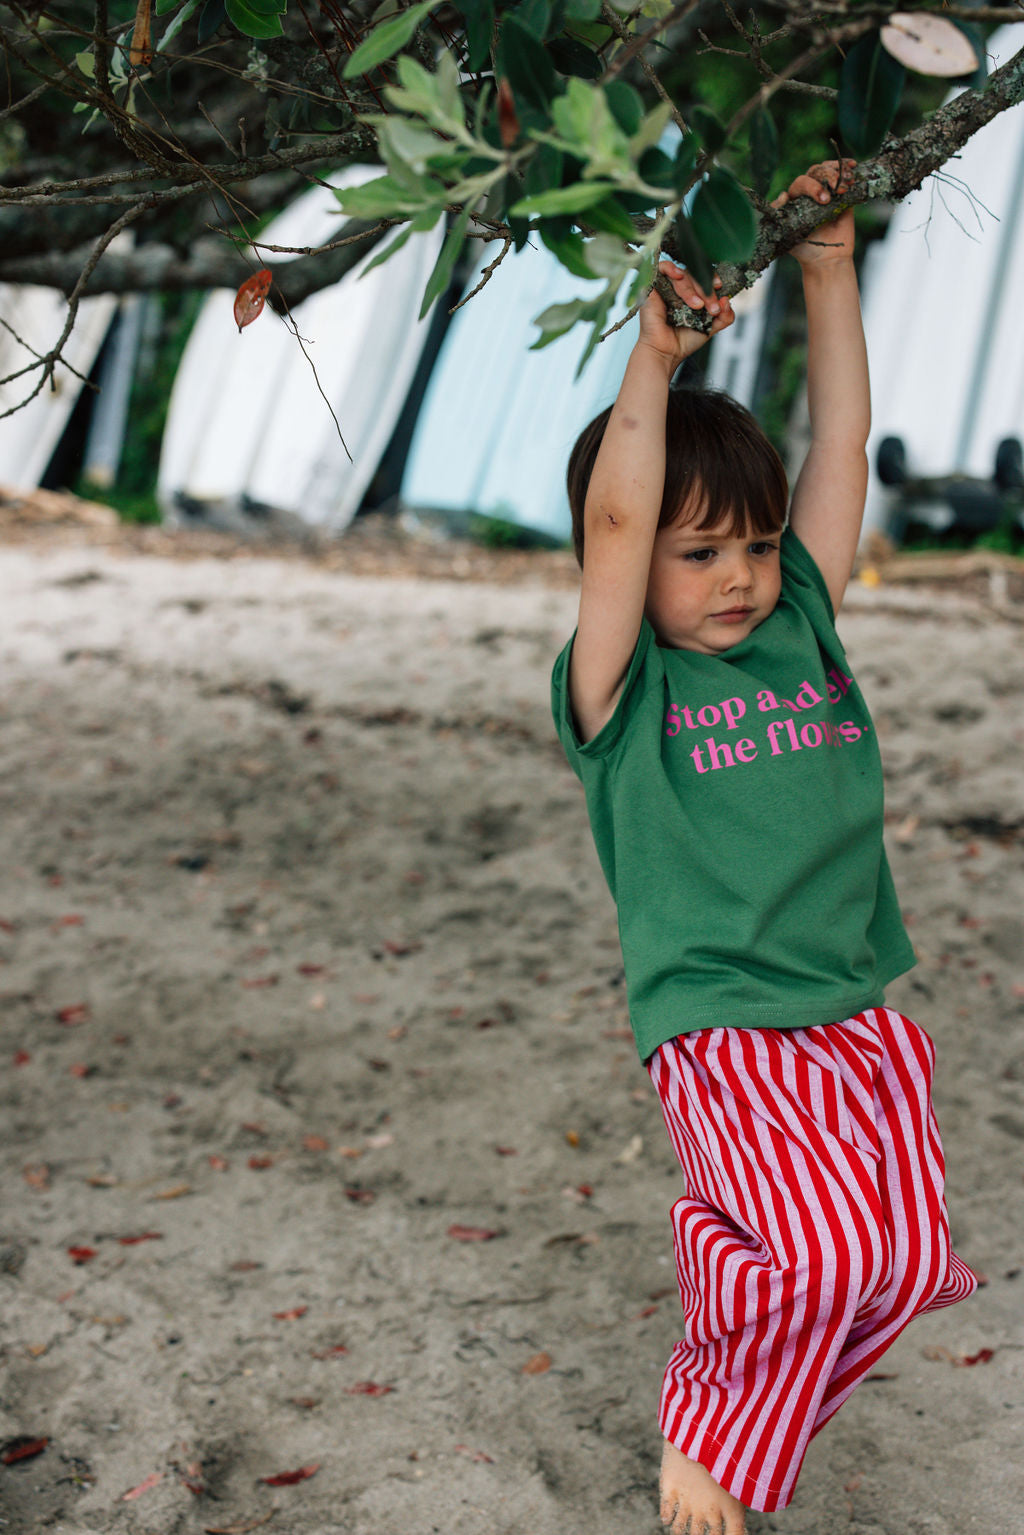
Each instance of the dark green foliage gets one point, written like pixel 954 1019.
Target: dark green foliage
pixel 723 219
pixel 525 63
pixel 692 253
pixel 764 150
pixel 870 87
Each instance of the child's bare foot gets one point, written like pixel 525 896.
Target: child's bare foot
pixel 692 1503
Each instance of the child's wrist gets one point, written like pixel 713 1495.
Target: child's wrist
pixel 827 268
pixel 663 360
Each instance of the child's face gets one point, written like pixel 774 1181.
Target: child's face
pixel 707 588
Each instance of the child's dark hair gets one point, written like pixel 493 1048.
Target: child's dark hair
pixel 714 448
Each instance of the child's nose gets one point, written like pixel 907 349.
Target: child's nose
pixel 738 572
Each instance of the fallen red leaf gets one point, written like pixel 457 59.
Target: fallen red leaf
pixel 480 1455
pixel 245 1266
pixel 78 1012
pixel 7 927
pixel 259 1163
pixel 335 1352
pixel 21 1058
pixel 144 1236
pixel 315 1143
pixel 80 1069
pixel 472 1233
pixel 81 1255
pixel 22 1448
pixel 240 1526
pixel 72 920
pixel 360 1196
pixel 537 1364
pixel 144 1486
pixel 506 1151
pixel 311 969
pixel 289 1478
pixel 251 296
pixel 367 1388
pixel 254 1127
pixel 260 980
pixel 981 1357
pixel 292 1315
pixel 218 1163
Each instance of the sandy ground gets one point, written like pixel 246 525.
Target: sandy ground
pixel 308 972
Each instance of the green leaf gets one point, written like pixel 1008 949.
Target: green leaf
pixel 479 27
pixel 186 13
pixel 441 276
pixel 163 6
pixel 423 221
pixel 87 64
pixel 685 163
pixel 573 58
pixel 525 64
pixel 384 197
pixel 520 231
pixel 658 171
pixel 870 87
pixel 599 313
pixel 764 150
pixel 433 96
pixel 606 257
pixel 582 10
pixel 543 170
pixel 535 16
pixel 386 39
pixel 644 278
pixel 723 219
pixel 252 23
pixel 708 129
pixel 556 320
pixel 211 19
pixel 610 216
pixel 691 253
pixel 651 130
pixel 568 248
pixel 571 199
pixel 627 106
pixel 407 143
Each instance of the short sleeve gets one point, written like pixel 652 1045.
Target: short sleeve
pixel 638 679
pixel 804 578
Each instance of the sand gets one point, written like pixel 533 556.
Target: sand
pixel 316 1057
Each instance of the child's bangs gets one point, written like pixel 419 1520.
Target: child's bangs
pixel 721 471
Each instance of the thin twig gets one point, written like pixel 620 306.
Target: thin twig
pixel 488 273
pixel 612 18
pixel 48 364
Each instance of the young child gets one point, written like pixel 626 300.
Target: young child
pixel 734 789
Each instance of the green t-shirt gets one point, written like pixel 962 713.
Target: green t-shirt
pixel 736 804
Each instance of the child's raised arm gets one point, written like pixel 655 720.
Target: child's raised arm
pixel 828 499
pixel 623 505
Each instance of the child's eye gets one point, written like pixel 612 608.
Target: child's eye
pixel 763 546
pixel 700 556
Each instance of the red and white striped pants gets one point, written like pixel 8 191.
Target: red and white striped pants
pixel 812 1229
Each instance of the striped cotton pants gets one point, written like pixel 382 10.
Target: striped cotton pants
pixel 812 1229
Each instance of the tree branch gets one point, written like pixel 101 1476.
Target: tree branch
pixel 210 263
pixel 890 175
